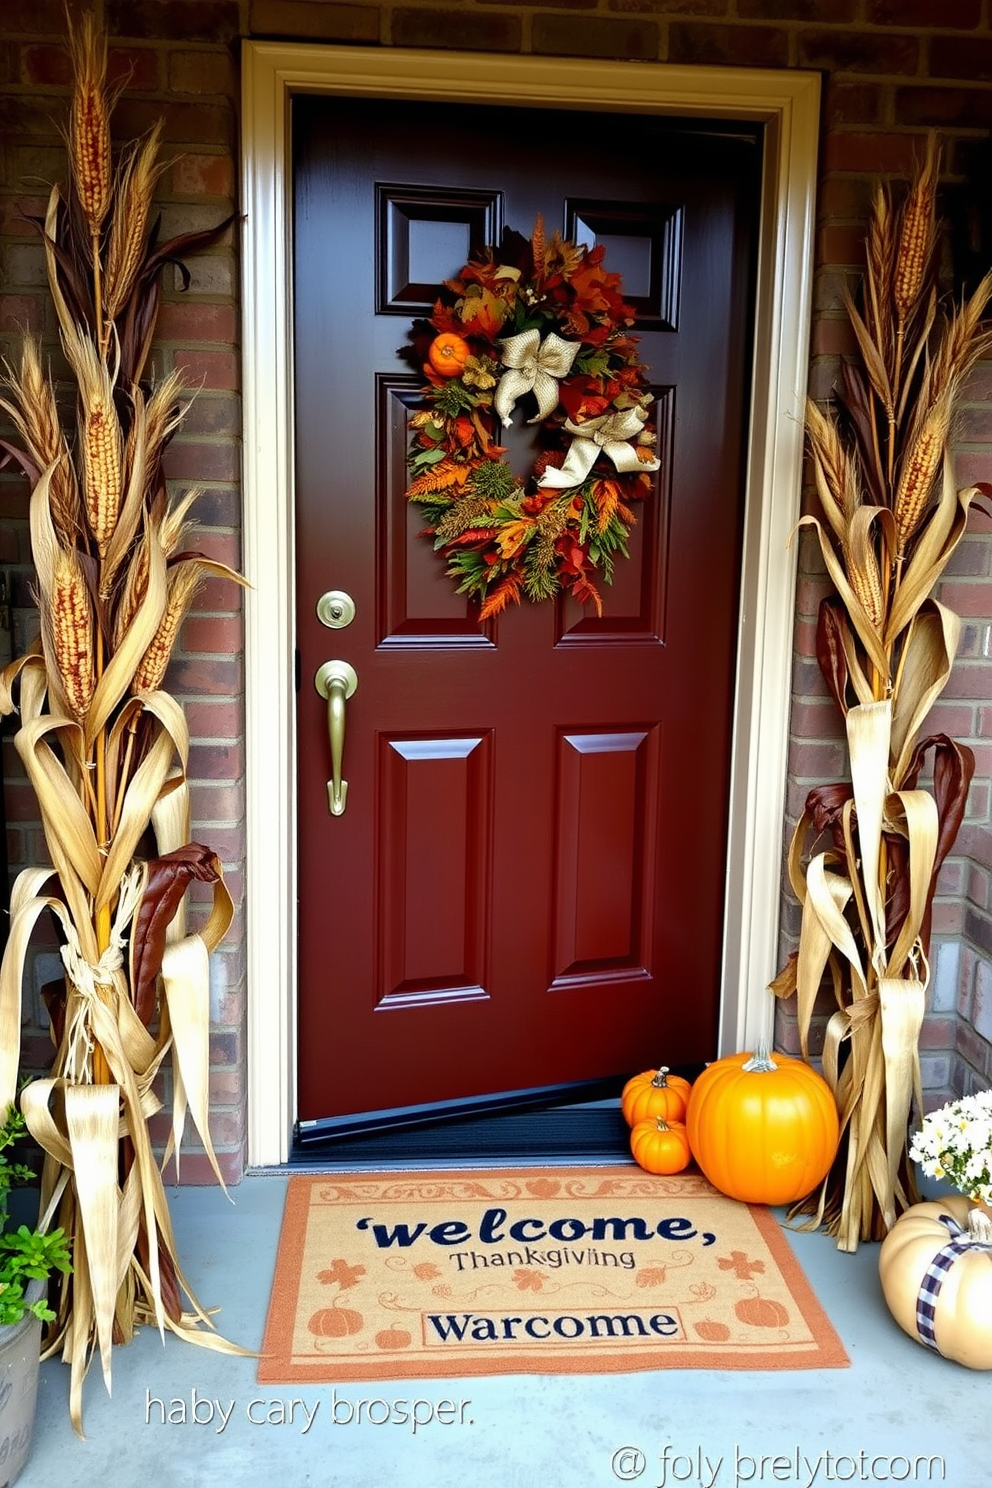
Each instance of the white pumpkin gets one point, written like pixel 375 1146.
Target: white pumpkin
pixel 935 1266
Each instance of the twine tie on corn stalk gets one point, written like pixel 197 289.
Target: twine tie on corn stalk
pixel 87 978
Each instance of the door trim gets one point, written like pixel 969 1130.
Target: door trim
pixel 788 104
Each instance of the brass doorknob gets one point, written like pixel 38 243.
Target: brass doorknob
pixel 336 681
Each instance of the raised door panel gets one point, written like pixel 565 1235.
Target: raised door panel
pixel 433 852
pixel 604 855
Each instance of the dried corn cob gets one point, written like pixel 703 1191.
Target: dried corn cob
pixel 919 472
pixel 183 583
pixel 917 235
pixel 866 581
pixel 72 631
pixel 89 124
pixel 102 468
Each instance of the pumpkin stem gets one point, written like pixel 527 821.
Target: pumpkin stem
pixel 761 1061
pixel 660 1080
pixel 979 1227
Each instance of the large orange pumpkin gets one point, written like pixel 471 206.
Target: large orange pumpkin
pixel 655 1093
pixel 763 1130
pixel 660 1146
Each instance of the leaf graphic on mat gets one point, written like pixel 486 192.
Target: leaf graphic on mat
pixel 340 1272
pixel 651 1276
pixel 527 1280
pixel 426 1271
pixel 742 1267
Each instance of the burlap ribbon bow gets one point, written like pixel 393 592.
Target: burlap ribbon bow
pixel 609 435
pixel 534 366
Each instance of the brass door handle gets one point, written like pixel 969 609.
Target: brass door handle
pixel 336 681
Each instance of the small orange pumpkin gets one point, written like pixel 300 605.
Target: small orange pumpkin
pixel 448 354
pixel 763 1130
pixel 660 1146
pixel 655 1093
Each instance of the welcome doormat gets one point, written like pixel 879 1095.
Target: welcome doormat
pixel 395 1276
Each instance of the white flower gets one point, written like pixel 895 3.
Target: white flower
pixel 956 1142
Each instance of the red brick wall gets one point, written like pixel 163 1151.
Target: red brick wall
pixel 891 70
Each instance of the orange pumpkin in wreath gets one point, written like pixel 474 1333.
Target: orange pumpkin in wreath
pixel 448 354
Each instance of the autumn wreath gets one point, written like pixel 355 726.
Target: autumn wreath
pixel 541 320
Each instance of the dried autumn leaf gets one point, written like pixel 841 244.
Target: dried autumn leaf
pixel 166 880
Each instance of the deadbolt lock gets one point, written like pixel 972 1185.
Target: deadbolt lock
pixel 335 609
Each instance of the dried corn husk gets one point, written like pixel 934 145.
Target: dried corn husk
pixel 892 517
pixel 105 749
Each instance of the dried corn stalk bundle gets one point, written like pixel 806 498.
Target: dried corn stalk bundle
pixel 105 748
pixel 866 852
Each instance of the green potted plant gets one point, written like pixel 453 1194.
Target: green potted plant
pixel 28 1256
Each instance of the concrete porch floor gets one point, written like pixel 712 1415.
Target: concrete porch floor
pixel 897 1403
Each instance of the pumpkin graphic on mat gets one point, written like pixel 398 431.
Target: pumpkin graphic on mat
pixel 711 1330
pixel 761 1312
pixel 393 1338
pixel 335 1322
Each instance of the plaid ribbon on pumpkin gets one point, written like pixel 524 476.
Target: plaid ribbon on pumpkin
pixel 933 1277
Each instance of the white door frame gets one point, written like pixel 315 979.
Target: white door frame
pixel 788 105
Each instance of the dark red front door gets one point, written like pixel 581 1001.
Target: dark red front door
pixel 526 886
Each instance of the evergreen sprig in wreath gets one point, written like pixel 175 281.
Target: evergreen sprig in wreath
pixel 540 321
